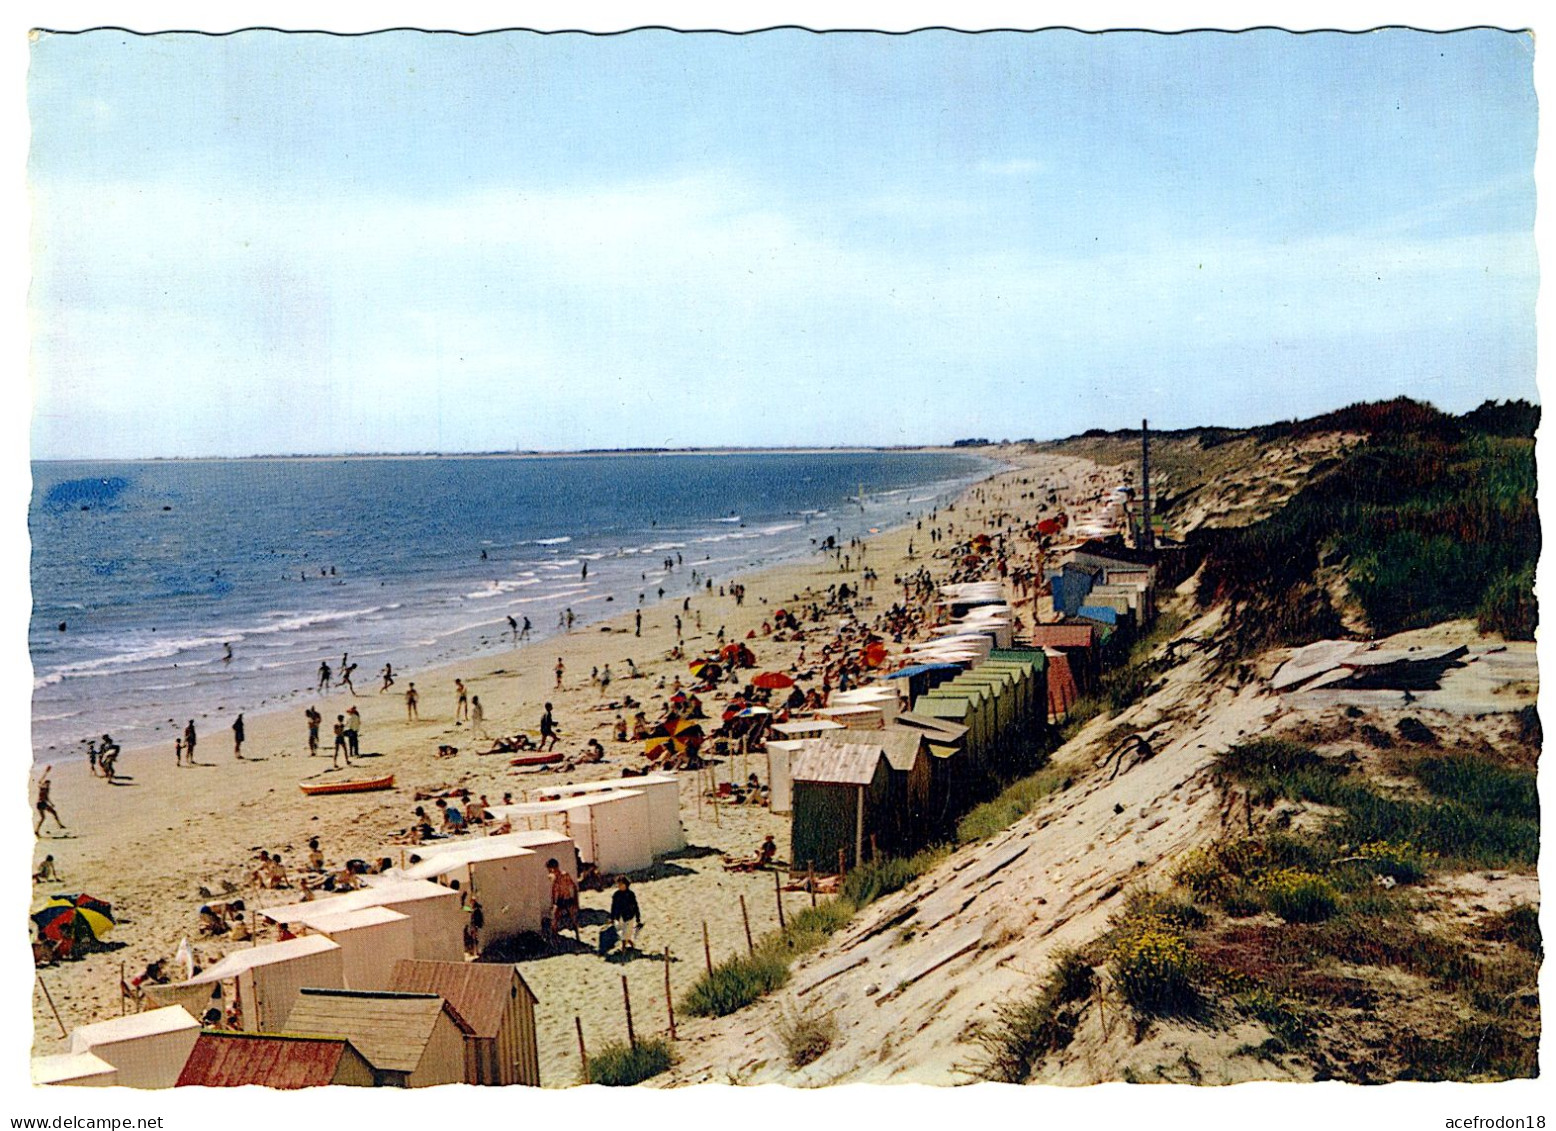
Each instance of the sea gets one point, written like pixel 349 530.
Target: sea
pixel 143 573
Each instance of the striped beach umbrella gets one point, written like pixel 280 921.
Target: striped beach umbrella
pixel 71 920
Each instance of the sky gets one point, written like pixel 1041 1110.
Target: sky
pixel 273 243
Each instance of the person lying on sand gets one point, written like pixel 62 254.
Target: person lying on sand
pixel 447 751
pixel 593 752
pixel 763 859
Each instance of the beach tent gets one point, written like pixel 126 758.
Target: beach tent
pixel 411 1040
pixel 855 716
pixel 509 881
pixel 147 1050
pixel 274 1060
pixel 496 1004
pixel 805 728
pixel 436 914
pixel 611 830
pixel 78 1069
pixel 267 978
pixel 780 756
pixel 371 941
pixel 841 791
pixel 664 804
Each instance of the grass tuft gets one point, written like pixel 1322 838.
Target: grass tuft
pixel 1025 1032
pixel 620 1065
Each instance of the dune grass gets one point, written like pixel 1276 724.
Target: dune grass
pixel 620 1065
pixel 1024 1032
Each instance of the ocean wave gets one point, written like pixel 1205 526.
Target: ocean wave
pixel 779 528
pixel 499 588
pixel 552 541
pixel 731 518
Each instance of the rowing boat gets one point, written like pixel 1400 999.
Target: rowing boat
pixel 361 785
pixel 536 759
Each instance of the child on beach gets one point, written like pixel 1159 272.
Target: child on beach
pixel 547 730
pixel 461 701
pixel 410 704
pixel 237 737
pixel 560 667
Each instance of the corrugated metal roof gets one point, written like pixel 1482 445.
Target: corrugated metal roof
pixel 837 763
pixel 230 1060
pixel 390 1029
pixel 479 991
pixel 1061 635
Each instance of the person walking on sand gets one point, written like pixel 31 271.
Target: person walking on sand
pixel 388 677
pixel 560 668
pixel 637 628
pixel 237 737
pixel 91 756
pixel 345 679
pixel 547 730
pixel 461 701
pixel 625 916
pixel 314 719
pixel 324 675
pixel 178 751
pixel 477 717
pixel 513 627
pixel 524 629
pixel 45 807
pixel 189 742
pixel 411 714
pixel 564 898
pixel 605 680
pixel 353 732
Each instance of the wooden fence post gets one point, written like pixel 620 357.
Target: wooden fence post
pixel 669 1001
pixel 810 880
pixel 778 892
pixel 707 950
pixel 583 1053
pixel 48 997
pixel 626 997
pixel 746 919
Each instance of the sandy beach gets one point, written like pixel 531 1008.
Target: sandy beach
pixel 149 842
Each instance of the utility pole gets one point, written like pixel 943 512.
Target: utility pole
pixel 1147 540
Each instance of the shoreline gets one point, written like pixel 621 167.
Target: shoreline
pixel 460 635
pixel 581 453
pixel 148 844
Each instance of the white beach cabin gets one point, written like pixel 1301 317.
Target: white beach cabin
pixel 664 804
pixel 611 829
pixel 78 1069
pixel 435 912
pixel 147 1050
pixel 804 728
pixel 780 785
pixel 267 977
pixel 371 941
pixel 509 881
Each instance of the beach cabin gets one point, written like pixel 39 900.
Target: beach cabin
pixel 805 728
pixel 274 1060
pixel 371 940
pixel 961 638
pixel 909 812
pixel 664 804
pixel 879 695
pixel 436 913
pixel 509 881
pixel 77 1069
pixel 841 794
pixel 611 830
pixel 496 1004
pixel 1069 585
pixel 855 716
pixel 146 1050
pixel 1078 642
pixel 921 677
pixel 780 756
pixel 966 710
pixel 410 1040
pixel 265 980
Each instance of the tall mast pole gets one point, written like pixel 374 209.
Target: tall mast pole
pixel 1147 535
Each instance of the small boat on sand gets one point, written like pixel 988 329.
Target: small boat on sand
pixel 536 759
pixel 361 785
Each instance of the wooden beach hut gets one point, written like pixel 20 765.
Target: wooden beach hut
pixel 1078 642
pixel 854 716
pixel 611 830
pixel 498 1006
pixel 411 1040
pixel 882 696
pixel 664 804
pixel 284 1061
pixel 841 791
pixel 146 1050
pixel 509 881
pixel 921 677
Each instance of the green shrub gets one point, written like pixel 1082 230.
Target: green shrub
pixel 1013 803
pixel 1261 758
pixel 1404 862
pixel 1157 972
pixel 1482 785
pixel 620 1065
pixel 1509 606
pixel 865 884
pixel 1519 925
pixel 735 983
pixel 1025 1032
pixel 1299 897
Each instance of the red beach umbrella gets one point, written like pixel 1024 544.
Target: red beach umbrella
pixel 772 681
